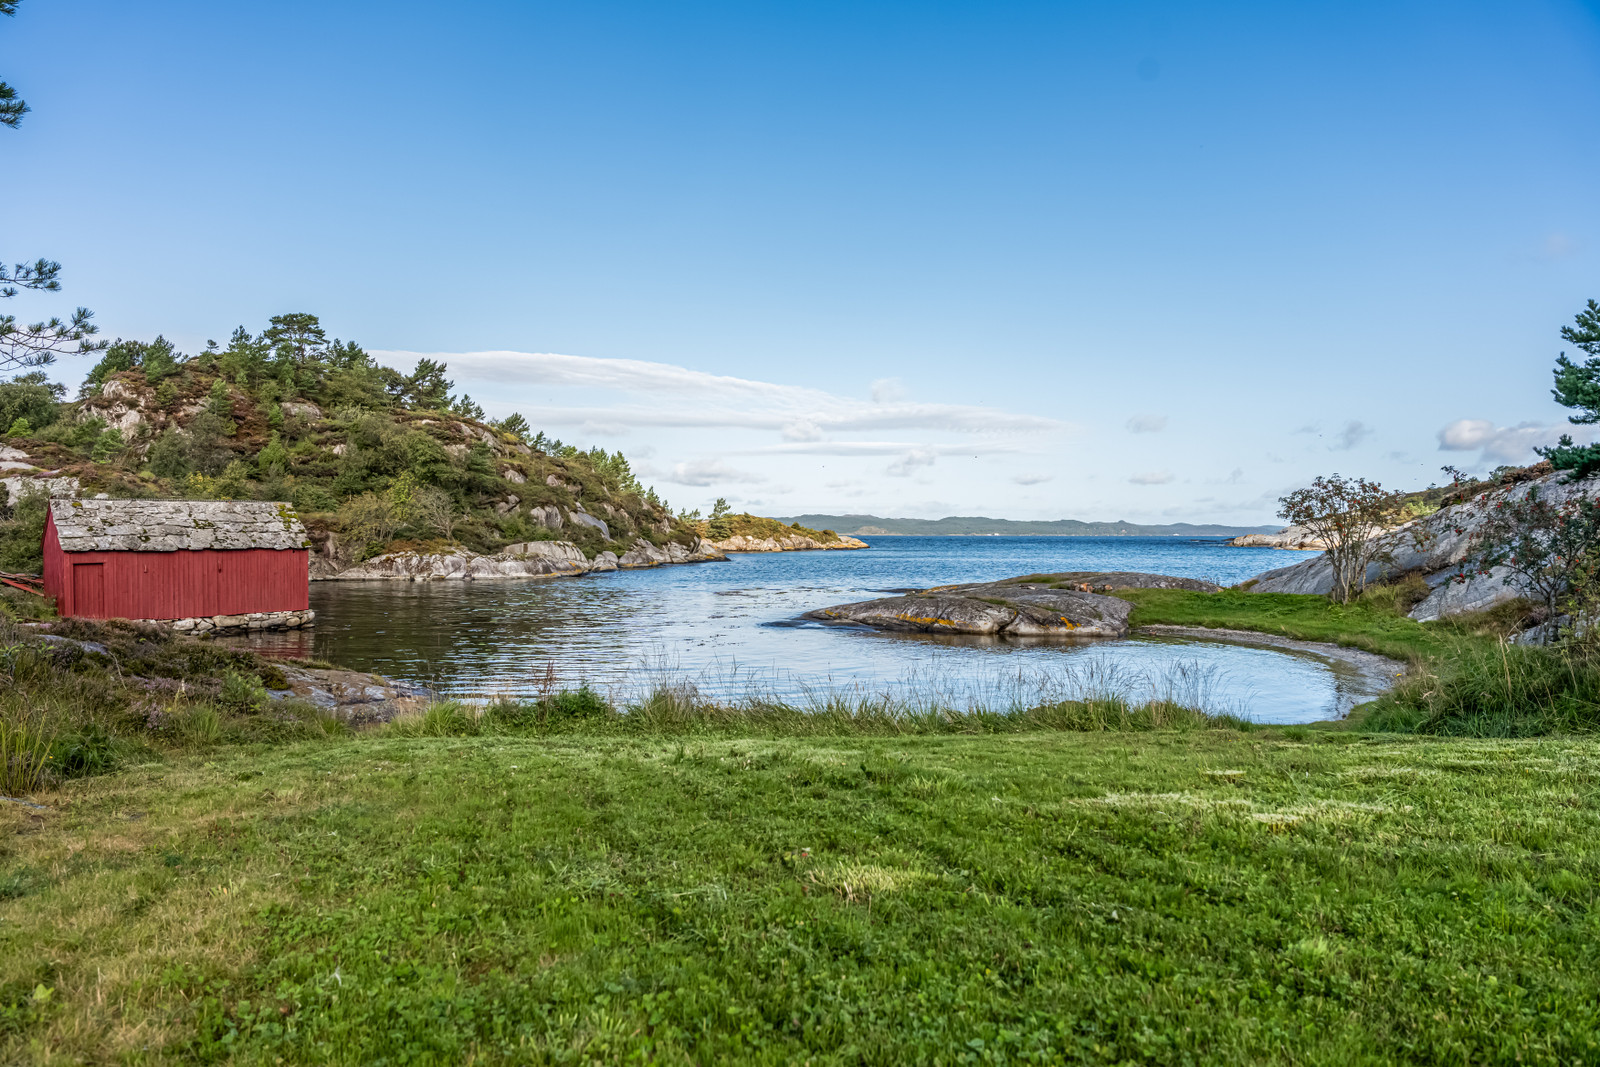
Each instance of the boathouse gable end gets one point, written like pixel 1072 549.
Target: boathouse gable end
pixel 175 559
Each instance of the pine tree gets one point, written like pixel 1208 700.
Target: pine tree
pixel 1578 386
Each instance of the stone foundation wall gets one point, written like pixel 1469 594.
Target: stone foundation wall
pixel 238 624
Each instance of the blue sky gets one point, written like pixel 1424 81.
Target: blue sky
pixel 1112 260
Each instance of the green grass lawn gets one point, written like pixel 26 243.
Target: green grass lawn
pixel 1204 897
pixel 1371 623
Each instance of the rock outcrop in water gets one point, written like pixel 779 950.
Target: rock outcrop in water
pixel 1073 605
pixel 1295 537
pixel 529 559
pixel 792 543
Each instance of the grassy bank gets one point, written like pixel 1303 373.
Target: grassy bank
pixel 1465 680
pixel 1200 898
pixel 84 698
pixel 1376 622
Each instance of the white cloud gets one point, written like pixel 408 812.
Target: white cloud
pixel 909 463
pixel 1147 424
pixel 704 472
pixel 679 397
pixel 1353 434
pixel 878 448
pixel 888 390
pixel 1032 479
pixel 1502 444
pixel 597 428
pixel 1464 435
pixel 802 430
pixel 1152 478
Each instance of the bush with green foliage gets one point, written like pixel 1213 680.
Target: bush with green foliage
pixel 1548 547
pixel 22 531
pixel 273 460
pixel 242 692
pixel 108 446
pixel 29 402
pixel 169 455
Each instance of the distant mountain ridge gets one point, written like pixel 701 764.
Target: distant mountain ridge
pixel 980 526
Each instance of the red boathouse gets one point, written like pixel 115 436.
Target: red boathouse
pixel 205 565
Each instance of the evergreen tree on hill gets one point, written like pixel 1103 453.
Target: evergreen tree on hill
pixel 1578 386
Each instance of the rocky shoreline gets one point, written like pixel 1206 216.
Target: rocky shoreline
pixel 354 697
pixel 796 543
pixel 1291 537
pixel 552 559
pixel 1378 673
pixel 528 559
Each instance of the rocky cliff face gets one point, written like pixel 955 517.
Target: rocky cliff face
pixel 20 475
pixel 531 559
pixel 1434 547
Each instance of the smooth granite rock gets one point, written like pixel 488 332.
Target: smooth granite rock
pixel 1073 605
pixel 583 518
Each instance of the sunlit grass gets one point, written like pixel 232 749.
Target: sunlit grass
pixel 1207 896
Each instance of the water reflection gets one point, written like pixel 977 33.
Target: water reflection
pixel 730 629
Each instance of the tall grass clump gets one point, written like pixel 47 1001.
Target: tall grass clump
pixel 26 740
pixel 200 725
pixel 551 709
pixel 678 708
pixel 1503 690
pixel 443 718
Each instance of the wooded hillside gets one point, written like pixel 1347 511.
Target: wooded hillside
pixel 374 460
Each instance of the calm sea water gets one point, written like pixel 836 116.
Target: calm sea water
pixel 731 629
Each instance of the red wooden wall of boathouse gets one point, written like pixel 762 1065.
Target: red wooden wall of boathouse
pixel 185 584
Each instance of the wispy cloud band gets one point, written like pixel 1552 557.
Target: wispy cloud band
pixel 716 400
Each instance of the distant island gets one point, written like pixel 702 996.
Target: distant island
pixel 978 526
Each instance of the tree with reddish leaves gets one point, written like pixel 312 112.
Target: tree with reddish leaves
pixel 1551 549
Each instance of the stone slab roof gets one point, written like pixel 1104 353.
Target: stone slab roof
pixel 175 525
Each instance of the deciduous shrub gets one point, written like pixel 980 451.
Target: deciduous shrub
pixel 1347 515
